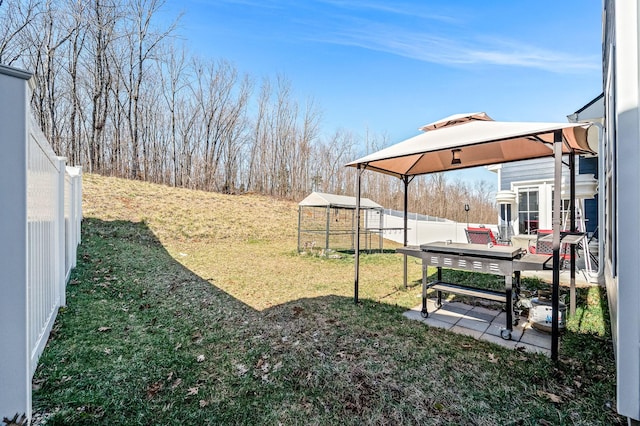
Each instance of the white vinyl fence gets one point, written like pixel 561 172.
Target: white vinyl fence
pixel 40 229
pixel 423 229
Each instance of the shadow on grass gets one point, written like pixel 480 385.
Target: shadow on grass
pixel 401 289
pixel 144 340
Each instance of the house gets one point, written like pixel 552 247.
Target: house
pixel 525 194
pixel 617 206
pixel 620 191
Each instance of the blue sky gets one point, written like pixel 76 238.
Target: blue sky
pixel 391 66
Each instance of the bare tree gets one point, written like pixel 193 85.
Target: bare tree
pixel 104 15
pixel 256 175
pixel 78 14
pixel 222 98
pixel 144 41
pixel 173 75
pixel 101 65
pixel 15 18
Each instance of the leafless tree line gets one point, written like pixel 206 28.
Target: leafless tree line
pixel 116 92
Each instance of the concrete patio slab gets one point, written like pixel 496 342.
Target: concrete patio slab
pixel 533 348
pixel 536 338
pixel 414 315
pixel 511 344
pixel 484 324
pixel 482 310
pixel 466 331
pixel 481 316
pixel 473 324
pixel 432 322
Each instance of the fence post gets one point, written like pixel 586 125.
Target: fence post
pixel 61 264
pixel 77 212
pixel 15 374
pixel 78 207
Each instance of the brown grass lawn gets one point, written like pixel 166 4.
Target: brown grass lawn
pixel 245 245
pixel 189 307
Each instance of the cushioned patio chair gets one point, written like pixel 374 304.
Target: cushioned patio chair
pixel 481 236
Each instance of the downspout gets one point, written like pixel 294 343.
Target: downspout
pixel 601 203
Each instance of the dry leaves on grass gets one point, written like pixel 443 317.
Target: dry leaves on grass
pixel 153 389
pixel 197 337
pixel 241 369
pixel 104 329
pixel 556 399
pixel 492 358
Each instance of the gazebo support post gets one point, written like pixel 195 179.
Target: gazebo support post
pixel 381 227
pixel 357 249
pixel 572 228
pixel 299 222
pixel 405 180
pixel 555 294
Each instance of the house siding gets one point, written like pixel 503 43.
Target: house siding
pixel 622 179
pixel 541 169
pixel 529 170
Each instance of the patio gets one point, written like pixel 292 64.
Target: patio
pixel 483 324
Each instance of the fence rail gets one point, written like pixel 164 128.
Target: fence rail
pixel 40 229
pixel 423 231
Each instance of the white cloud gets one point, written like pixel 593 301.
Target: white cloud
pixel 394 8
pixel 478 50
pixel 443 36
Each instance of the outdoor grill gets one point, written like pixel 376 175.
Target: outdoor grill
pixel 507 261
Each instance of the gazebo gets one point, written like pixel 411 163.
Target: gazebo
pixel 328 222
pixel 470 140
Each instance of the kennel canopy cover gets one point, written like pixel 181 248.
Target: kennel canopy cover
pixel 475 139
pixel 319 199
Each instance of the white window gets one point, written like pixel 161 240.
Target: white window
pixel 610 196
pixel 535 206
pixel 528 210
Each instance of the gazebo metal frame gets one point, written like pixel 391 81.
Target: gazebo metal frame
pixel 470 140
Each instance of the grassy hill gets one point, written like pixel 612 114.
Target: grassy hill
pixel 245 245
pixel 190 307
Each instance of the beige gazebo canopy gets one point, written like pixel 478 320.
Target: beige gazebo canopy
pixel 474 140
pixel 470 140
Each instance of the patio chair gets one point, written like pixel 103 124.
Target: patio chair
pixel 481 236
pixel 546 247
